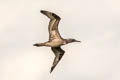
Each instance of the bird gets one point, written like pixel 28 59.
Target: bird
pixel 55 39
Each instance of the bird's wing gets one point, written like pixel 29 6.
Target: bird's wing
pixel 53 25
pixel 58 55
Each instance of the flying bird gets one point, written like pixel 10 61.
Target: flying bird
pixel 55 39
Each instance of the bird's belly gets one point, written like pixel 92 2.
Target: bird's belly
pixel 56 43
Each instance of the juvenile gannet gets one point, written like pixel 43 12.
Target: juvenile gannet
pixel 55 40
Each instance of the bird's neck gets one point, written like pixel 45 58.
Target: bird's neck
pixel 66 41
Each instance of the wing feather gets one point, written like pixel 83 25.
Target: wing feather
pixel 58 55
pixel 53 25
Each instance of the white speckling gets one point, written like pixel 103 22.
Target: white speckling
pixel 53 32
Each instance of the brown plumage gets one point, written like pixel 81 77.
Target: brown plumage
pixel 55 40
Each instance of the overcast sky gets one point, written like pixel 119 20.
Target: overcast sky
pixel 95 22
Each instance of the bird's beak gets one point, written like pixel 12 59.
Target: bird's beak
pixel 77 41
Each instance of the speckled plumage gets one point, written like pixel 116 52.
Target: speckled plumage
pixel 55 40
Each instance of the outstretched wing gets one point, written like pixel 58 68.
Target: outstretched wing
pixel 58 55
pixel 53 25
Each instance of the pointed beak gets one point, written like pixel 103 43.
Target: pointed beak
pixel 77 41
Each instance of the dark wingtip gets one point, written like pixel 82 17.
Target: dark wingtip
pixel 42 11
pixel 52 69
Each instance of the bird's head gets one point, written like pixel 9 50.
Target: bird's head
pixel 71 40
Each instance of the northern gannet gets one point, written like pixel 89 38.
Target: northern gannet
pixel 55 39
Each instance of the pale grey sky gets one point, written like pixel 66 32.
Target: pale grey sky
pixel 95 22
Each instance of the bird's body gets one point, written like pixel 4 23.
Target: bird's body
pixel 55 39
pixel 56 43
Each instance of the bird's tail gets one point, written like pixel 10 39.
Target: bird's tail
pixel 39 44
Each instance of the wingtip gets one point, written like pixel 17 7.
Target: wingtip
pixel 51 69
pixel 45 12
pixel 42 11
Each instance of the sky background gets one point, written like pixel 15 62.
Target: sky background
pixel 95 22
